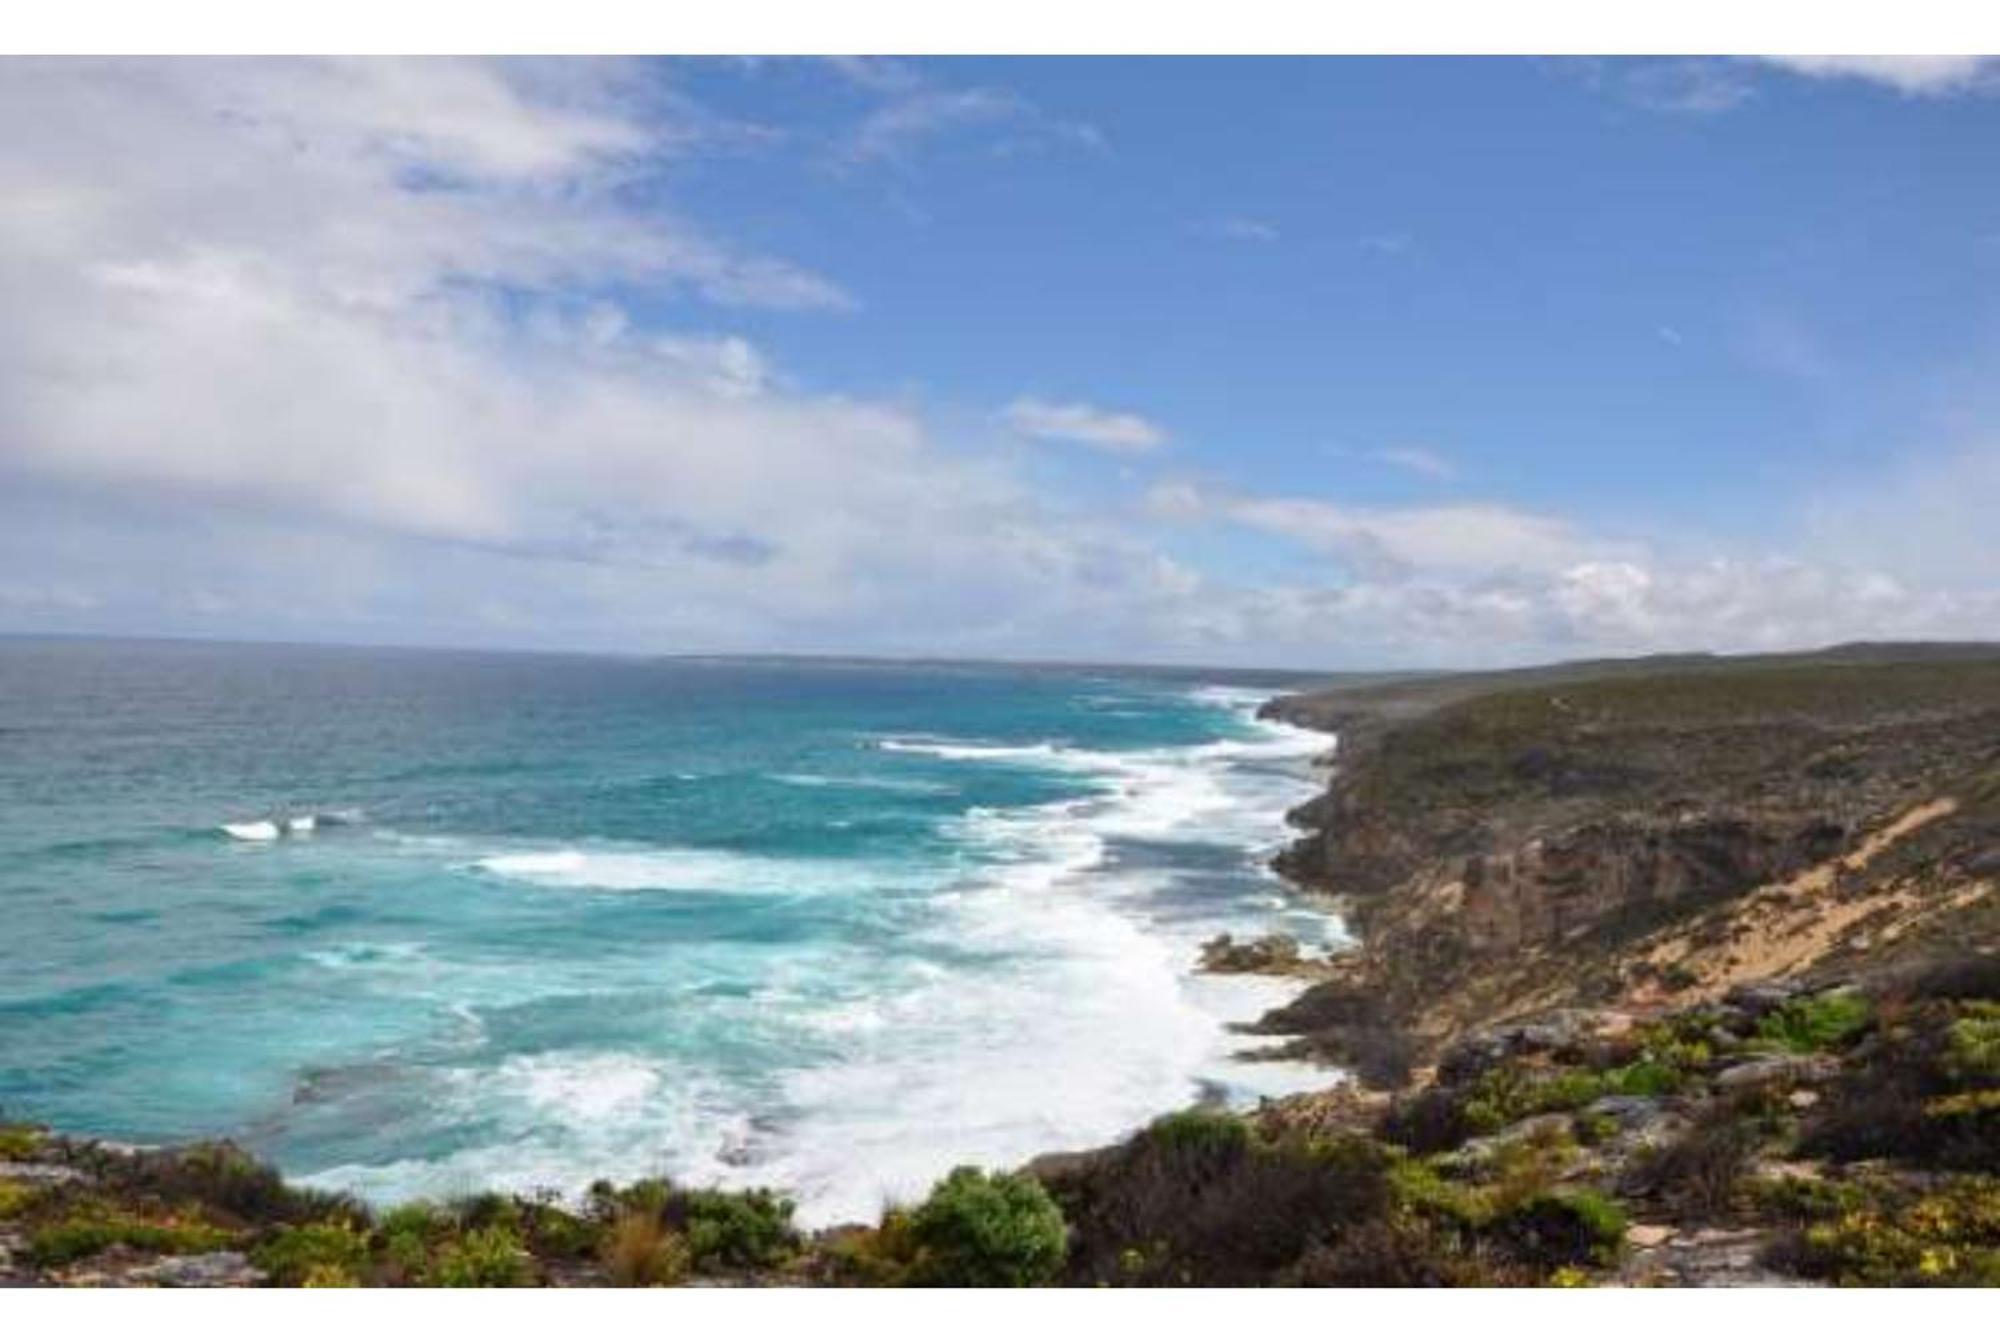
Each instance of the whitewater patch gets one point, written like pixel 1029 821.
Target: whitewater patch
pixel 877 783
pixel 689 870
pixel 302 823
pixel 1038 994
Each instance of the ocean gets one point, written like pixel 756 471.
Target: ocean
pixel 522 921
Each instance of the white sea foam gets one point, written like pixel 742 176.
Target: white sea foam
pixel 957 749
pixel 877 783
pixel 303 823
pixel 1044 1000
pixel 687 870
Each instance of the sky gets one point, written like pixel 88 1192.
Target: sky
pixel 1341 363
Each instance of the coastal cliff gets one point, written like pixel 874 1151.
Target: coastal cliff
pixel 1641 835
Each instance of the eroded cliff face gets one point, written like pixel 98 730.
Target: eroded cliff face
pixel 1601 843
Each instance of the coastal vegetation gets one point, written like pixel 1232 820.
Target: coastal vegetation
pixel 1848 1136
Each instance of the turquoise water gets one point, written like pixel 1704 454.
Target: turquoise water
pixel 832 927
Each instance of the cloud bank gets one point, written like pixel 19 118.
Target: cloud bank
pixel 426 352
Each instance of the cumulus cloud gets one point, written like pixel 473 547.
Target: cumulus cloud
pixel 1483 582
pixel 248 302
pixel 1077 422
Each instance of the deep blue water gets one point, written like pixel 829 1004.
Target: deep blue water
pixel 827 926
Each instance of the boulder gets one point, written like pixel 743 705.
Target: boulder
pixel 1273 954
pixel 1763 996
pixel 1769 1070
pixel 218 1269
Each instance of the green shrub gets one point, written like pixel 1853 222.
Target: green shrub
pixel 1972 1049
pixel 606 1202
pixel 1201 1132
pixel 328 1253
pixel 1646 1077
pixel 1947 1237
pixel 1805 1199
pixel 14 1197
pixel 486 1257
pixel 554 1232
pixel 426 1222
pixel 736 1229
pixel 19 1143
pixel 987 1231
pixel 1512 1092
pixel 1805 1026
pixel 223 1177
pixel 1418 1187
pixel 1561 1227
pixel 407 1257
pixel 86 1233
pixel 485 1210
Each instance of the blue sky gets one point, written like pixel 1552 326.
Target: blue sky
pixel 1316 362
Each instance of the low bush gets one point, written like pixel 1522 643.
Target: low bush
pixel 85 1233
pixel 1946 1237
pixel 1972 1050
pixel 642 1252
pixel 883 1256
pixel 1806 1026
pixel 19 1143
pixel 735 1229
pixel 485 1257
pixel 1697 1175
pixel 1560 1227
pixel 14 1198
pixel 225 1179
pixel 1918 1095
pixel 317 1254
pixel 1199 1199
pixel 986 1231
pixel 553 1232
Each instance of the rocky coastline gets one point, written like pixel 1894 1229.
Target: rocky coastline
pixel 1674 971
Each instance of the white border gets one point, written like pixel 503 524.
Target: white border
pixel 816 1316
pixel 1150 27
pixel 1020 26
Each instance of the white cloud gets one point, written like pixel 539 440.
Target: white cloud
pixel 898 127
pixel 913 110
pixel 1075 422
pixel 1450 538
pixel 1240 229
pixel 331 343
pixel 1915 75
pixel 1699 86
pixel 1421 461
